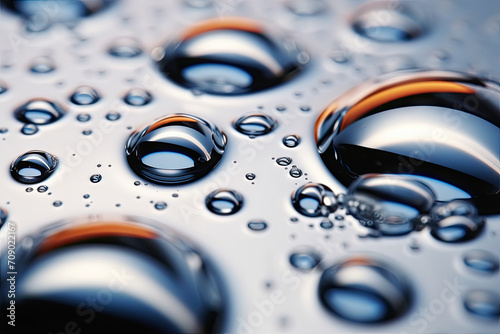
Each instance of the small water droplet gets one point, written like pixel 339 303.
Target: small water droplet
pixel 257 225
pixel 294 219
pixel 160 205
pixel 137 183
pixel 84 96
pixel 175 149
pixel 284 161
pixel 29 129
pixel 95 178
pixel 33 167
pixel 304 259
pixel 482 303
pixel 326 224
pixel 42 189
pixel 83 117
pixel 138 97
pixel 57 203
pixel 295 172
pixel 39 112
pixel 291 141
pixel 224 202
pixel 125 48
pixel 481 261
pixel 255 124
pixel 3 216
pixel 175 195
pixel 305 7
pixel 314 200
pixel 198 4
pixel 250 176
pixel 113 116
pixel 305 108
pixel 29 189
pixel 339 56
pixel 42 65
pixel 3 130
pixel 87 132
pixel 86 196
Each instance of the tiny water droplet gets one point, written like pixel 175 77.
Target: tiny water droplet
pixel 57 203
pixel 295 172
pixel 137 183
pixel 33 167
pixel 138 97
pixel 284 161
pixel 250 176
pixel 42 189
pixel 29 129
pixel 175 195
pixel 113 116
pixel 314 200
pixel 482 303
pixel 326 224
pixel 160 205
pixel 255 124
pixel 304 259
pixel 95 178
pixel 29 189
pixel 224 202
pixel 125 48
pixel 39 112
pixel 84 96
pixel 3 130
pixel 294 219
pixel 481 261
pixel 42 65
pixel 257 225
pixel 83 117
pixel 86 196
pixel 87 132
pixel 291 141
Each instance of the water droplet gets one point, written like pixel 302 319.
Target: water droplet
pixel 39 112
pixel 95 178
pixel 57 204
pixel 175 149
pixel 33 167
pixel 198 4
pixel 230 56
pixel 295 172
pixel 3 216
pixel 339 56
pixel 3 130
pixel 224 202
pixel 160 206
pixel 3 88
pixel 29 189
pixel 314 200
pixel 291 141
pixel 284 161
pixel 29 129
pixel 304 259
pixel 455 221
pixel 138 97
pixel 326 224
pixel 137 183
pixel 42 189
pixel 113 116
pixel 364 291
pixel 388 22
pixel 125 48
pixel 482 261
pixel 485 304
pixel 86 196
pixel 150 262
pixel 87 132
pixel 422 125
pixel 42 65
pixel 84 96
pixel 257 225
pixel 305 7
pixel 305 108
pixel 83 117
pixel 250 176
pixel 255 124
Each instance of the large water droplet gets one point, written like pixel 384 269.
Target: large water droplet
pixel 229 56
pixel 138 97
pixel 84 95
pixel 485 304
pixel 304 259
pixel 175 149
pixel 39 112
pixel 482 261
pixel 255 124
pixel 365 291
pixel 33 167
pixel 314 200
pixel 140 279
pixel 455 221
pixel 391 204
pixel 224 202
pixel 438 127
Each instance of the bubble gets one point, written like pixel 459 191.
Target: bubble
pixel 42 189
pixel 314 200
pixel 433 126
pixel 326 224
pixel 57 204
pixel 305 7
pixel 83 117
pixel 138 97
pixel 291 141
pixel 363 290
pixel 391 204
pixel 3 216
pixel 29 129
pixel 175 149
pixel 230 56
pixel 250 176
pixel 95 178
pixel 482 303
pixel 255 124
pixel 455 221
pixel 295 172
pixel 84 96
pixel 113 116
pixel 284 161
pixel 42 65
pixel 39 112
pixel 33 167
pixel 304 259
pixel 257 225
pixel 388 21
pixel 141 278
pixel 224 202
pixel 125 47
pixel 481 261
pixel 160 206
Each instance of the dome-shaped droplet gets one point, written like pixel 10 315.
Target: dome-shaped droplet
pixel 255 124
pixel 388 21
pixel 42 65
pixel 482 303
pixel 455 221
pixel 326 224
pixel 42 188
pixel 304 259
pixel 250 176
pixel 442 128
pixel 284 161
pixel 224 202
pixel 3 216
pixel 305 7
pixel 125 47
pixel 137 277
pixel 257 225
pixel 84 95
pixel 364 291
pixel 160 205
pixel 113 116
pixel 33 167
pixel 314 200
pixel 95 178
pixel 29 129
pixel 391 204
pixel 175 149
pixel 295 172
pixel 39 112
pixel 230 56
pixel 138 97
pixel 57 203
pixel 291 141
pixel 481 261
pixel 83 117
